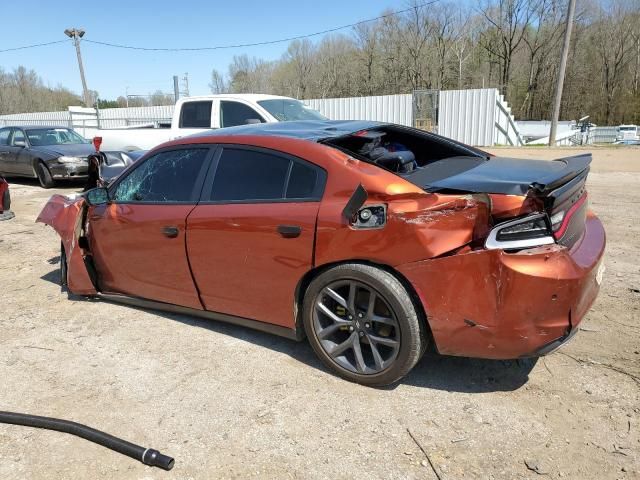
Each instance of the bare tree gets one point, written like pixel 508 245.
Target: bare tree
pixel 540 39
pixel 612 35
pixel 508 21
pixel 218 83
pixel 416 40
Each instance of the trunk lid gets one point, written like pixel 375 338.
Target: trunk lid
pixel 508 176
pixel 559 185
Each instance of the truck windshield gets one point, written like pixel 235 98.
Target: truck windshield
pixel 288 109
pixel 54 136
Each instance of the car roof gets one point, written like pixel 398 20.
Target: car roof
pixel 312 130
pixel 255 97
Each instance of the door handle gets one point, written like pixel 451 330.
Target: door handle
pixel 289 231
pixel 170 231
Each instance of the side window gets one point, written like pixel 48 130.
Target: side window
pixel 249 175
pixel 166 177
pixel 302 181
pixel 196 115
pixel 4 136
pixel 18 135
pixel 235 113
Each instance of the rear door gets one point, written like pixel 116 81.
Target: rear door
pixel 138 240
pixel 250 239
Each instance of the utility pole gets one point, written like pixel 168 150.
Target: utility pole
pixel 176 88
pixel 185 79
pixel 563 67
pixel 76 34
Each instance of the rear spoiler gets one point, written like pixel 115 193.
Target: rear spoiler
pixel 576 165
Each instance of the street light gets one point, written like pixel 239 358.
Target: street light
pixel 76 34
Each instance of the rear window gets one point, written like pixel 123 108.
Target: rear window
pixel 196 115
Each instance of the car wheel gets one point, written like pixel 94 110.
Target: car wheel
pixel 363 325
pixel 63 266
pixel 6 200
pixel 44 176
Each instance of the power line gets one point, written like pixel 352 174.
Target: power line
pixel 32 46
pixel 270 42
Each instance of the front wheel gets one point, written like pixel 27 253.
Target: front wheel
pixel 363 325
pixel 44 175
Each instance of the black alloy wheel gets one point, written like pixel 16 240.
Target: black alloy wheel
pixel 356 327
pixel 362 323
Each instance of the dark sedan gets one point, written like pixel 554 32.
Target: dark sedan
pixel 45 153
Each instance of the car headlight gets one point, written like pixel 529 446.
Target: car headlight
pixel 525 232
pixel 65 159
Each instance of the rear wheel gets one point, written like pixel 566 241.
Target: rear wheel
pixel 362 324
pixel 63 266
pixel 44 176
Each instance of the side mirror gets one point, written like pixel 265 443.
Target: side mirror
pixel 97 196
pixel 19 143
pixel 252 121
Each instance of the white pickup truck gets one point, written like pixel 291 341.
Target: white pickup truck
pixel 197 114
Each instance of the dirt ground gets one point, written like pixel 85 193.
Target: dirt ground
pixel 228 402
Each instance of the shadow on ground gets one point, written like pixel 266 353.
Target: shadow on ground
pixel 434 371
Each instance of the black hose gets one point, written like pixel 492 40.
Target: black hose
pixel 148 456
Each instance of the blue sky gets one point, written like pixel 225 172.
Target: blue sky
pixel 161 23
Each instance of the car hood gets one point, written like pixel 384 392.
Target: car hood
pixel 72 150
pixel 509 176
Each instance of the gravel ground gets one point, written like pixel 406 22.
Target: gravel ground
pixel 228 402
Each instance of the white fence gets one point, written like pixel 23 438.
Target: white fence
pixel 36 118
pixel 476 117
pixel 383 108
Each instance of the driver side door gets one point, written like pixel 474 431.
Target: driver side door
pixel 138 239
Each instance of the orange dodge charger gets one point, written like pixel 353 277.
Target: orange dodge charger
pixel 370 239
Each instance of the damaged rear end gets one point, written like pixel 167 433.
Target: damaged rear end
pixel 67 215
pixel 521 287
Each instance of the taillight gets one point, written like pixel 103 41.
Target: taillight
pixel 525 232
pixel 560 220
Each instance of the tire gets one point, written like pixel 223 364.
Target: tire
pixel 391 328
pixel 44 176
pixel 63 266
pixel 6 200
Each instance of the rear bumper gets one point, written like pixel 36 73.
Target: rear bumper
pixel 492 304
pixel 69 170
